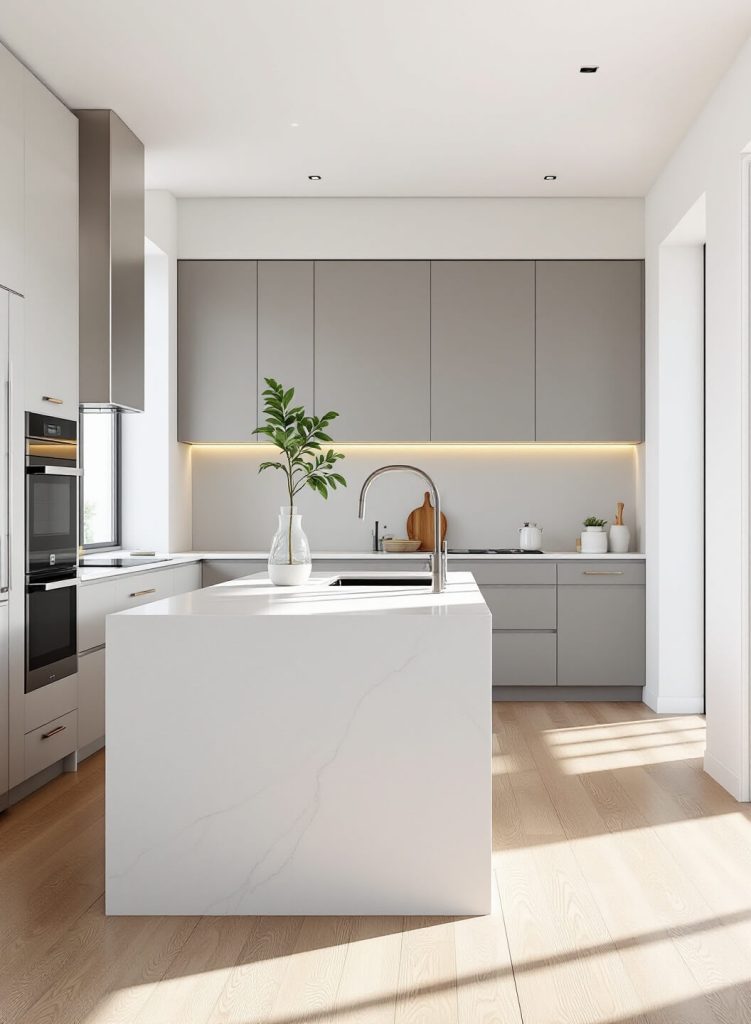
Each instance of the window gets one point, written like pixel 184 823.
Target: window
pixel 100 483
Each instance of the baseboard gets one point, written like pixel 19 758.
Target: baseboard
pixel 724 776
pixel 90 748
pixel 677 705
pixel 571 693
pixel 36 782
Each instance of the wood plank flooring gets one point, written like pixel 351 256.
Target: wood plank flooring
pixel 622 893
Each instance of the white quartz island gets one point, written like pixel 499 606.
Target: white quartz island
pixel 307 750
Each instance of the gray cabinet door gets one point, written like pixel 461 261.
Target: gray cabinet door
pixel 372 348
pixel 217 350
pixel 590 342
pixel 601 635
pixel 285 327
pixel 482 350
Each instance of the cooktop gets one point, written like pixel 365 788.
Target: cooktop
pixel 492 551
pixel 99 562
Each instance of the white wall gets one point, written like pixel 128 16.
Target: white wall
pixel 161 229
pixel 486 493
pixel 145 436
pixel 411 228
pixel 708 162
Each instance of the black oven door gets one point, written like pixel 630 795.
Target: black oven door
pixel 51 634
pixel 51 518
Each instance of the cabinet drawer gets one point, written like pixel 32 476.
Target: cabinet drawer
pixel 599 573
pixel 508 573
pixel 95 602
pixel 144 587
pixel 601 636
pixel 221 570
pixel 186 578
pixel 49 743
pixel 521 607
pixel 90 697
pixel 524 659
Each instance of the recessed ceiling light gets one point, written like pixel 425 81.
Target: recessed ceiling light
pixel 550 177
pixel 314 177
pixel 588 69
pixel 294 124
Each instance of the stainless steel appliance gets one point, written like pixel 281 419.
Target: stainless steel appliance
pixel 51 494
pixel 51 549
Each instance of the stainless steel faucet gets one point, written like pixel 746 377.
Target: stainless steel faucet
pixel 438 555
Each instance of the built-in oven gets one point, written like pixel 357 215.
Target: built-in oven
pixel 51 629
pixel 51 494
pixel 52 477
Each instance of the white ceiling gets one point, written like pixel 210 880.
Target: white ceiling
pixel 392 97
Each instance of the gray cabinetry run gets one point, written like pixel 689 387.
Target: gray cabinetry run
pixel 590 328
pixel 482 372
pixel 217 353
pixel 372 348
pixel 285 327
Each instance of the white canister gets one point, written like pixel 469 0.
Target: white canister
pixel 530 537
pixel 620 538
pixel 594 540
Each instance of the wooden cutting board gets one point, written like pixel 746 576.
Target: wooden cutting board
pixel 420 524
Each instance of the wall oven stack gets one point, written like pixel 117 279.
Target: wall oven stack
pixel 51 549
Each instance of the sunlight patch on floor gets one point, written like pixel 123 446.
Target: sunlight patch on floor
pixel 595 748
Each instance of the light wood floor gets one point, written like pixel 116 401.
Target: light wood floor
pixel 622 893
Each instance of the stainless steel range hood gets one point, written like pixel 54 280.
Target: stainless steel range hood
pixel 111 290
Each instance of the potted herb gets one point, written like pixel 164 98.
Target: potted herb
pixel 594 539
pixel 305 463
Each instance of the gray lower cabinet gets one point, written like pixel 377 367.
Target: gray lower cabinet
pixel 90 698
pixel 601 634
pixel 589 348
pixel 285 327
pixel 482 350
pixel 524 659
pixel 372 348
pixel 217 350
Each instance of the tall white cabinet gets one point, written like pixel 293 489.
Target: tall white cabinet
pixel 11 171
pixel 51 259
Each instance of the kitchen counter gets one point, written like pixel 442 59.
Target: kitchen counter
pixel 93 574
pixel 302 750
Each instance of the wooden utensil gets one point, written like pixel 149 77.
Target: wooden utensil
pixel 619 514
pixel 420 525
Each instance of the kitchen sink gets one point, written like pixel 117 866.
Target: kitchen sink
pixel 382 581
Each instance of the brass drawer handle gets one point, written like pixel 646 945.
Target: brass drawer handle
pixel 612 572
pixel 142 593
pixel 54 401
pixel 53 732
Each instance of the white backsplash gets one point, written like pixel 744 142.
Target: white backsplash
pixel 487 492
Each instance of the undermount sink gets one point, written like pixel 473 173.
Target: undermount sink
pixel 381 581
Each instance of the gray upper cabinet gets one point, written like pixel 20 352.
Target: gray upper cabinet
pixel 217 350
pixel 482 350
pixel 590 341
pixel 285 327
pixel 372 348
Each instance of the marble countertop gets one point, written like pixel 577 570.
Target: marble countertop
pixel 165 561
pixel 257 596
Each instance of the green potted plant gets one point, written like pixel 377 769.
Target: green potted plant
pixel 305 463
pixel 594 539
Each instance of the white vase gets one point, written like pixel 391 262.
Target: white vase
pixel 594 540
pixel 289 558
pixel 620 537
